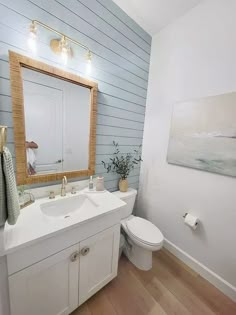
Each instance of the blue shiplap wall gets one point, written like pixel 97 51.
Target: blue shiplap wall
pixel 121 54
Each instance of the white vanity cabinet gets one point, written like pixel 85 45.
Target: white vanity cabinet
pixel 61 282
pixel 48 287
pixel 98 262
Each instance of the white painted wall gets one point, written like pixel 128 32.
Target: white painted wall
pixel 192 58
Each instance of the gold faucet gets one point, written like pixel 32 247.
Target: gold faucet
pixel 63 186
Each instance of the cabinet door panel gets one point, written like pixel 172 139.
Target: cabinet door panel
pixel 99 265
pixel 49 287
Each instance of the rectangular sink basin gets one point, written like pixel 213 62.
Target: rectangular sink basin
pixel 64 208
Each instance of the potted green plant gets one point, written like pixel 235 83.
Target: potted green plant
pixel 122 164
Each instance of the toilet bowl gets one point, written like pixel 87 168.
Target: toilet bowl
pixel 142 237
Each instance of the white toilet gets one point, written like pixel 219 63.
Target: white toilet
pixel 142 237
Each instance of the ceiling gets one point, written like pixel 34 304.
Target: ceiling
pixel 153 15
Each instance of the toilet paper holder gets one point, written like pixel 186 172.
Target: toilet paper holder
pixel 184 216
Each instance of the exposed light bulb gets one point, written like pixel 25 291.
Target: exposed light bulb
pixel 65 50
pixel 89 62
pixel 64 55
pixel 32 41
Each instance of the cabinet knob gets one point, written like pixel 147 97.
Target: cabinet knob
pixel 74 256
pixel 85 251
pixel 59 161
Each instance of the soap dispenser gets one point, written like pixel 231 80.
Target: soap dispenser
pixel 91 184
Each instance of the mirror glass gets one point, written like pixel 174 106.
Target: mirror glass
pixel 57 123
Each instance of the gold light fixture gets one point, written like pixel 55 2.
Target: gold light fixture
pixel 65 49
pixel 60 46
pixel 32 37
pixel 89 61
pixel 89 56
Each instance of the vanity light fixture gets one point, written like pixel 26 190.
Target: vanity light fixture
pixel 65 49
pixel 32 37
pixel 89 61
pixel 59 46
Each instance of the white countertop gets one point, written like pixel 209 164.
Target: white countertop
pixel 33 225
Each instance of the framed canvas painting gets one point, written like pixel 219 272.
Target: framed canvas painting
pixel 203 134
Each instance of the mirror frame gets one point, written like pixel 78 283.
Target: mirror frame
pixel 17 62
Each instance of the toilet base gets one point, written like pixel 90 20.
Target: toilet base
pixel 140 257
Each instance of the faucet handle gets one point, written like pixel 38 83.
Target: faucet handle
pixel 73 190
pixel 51 195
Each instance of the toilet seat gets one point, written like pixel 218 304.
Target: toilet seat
pixel 144 231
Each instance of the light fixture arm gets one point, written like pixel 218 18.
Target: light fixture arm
pixel 36 22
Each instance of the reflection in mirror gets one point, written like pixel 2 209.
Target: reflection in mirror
pixel 57 123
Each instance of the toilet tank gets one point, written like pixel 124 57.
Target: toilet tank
pixel 129 198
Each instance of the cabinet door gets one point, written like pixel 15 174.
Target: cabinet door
pixel 49 287
pixel 98 261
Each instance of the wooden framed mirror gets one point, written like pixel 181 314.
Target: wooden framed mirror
pixel 54 118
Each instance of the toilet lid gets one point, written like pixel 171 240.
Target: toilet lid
pixel 145 231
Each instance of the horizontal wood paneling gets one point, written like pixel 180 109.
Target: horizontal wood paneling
pixel 94 29
pixel 118 122
pixel 125 19
pixel 121 52
pixel 6 118
pixel 18 36
pixel 108 150
pixel 5 103
pixel 119 103
pixel 112 22
pixel 98 75
pixel 111 176
pixel 118 131
pixel 56 19
pixel 119 113
pixel 106 140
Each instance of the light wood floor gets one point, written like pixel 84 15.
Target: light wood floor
pixel 170 288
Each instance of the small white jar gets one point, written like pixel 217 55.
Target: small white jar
pixel 100 183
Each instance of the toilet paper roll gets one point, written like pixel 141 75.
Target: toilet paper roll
pixel 191 221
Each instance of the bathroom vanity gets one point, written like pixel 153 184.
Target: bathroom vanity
pixel 61 252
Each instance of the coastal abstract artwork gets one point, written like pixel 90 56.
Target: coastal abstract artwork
pixel 203 134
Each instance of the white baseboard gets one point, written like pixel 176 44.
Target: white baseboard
pixel 224 286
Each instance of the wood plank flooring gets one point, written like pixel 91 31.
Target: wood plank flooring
pixel 170 288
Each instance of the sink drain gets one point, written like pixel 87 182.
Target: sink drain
pixel 67 216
